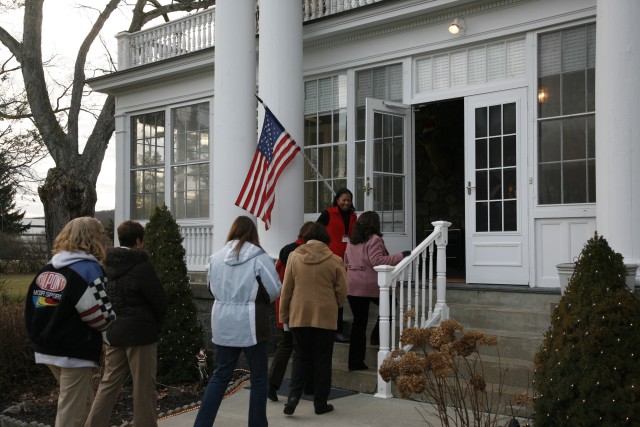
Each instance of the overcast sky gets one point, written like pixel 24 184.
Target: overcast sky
pixel 64 27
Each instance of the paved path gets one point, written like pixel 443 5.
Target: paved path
pixel 358 410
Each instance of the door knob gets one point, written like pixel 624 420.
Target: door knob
pixel 469 187
pixel 367 188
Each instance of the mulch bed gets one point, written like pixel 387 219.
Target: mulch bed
pixel 40 406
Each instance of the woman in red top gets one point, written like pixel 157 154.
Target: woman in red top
pixel 339 219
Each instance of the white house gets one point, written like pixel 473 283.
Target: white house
pixel 521 129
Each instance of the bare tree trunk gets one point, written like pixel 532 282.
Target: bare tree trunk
pixel 65 195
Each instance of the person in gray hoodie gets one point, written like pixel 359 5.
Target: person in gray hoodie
pixel 243 281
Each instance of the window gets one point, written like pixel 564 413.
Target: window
pixel 325 140
pixel 566 116
pixel 147 163
pixel 188 163
pixel 495 168
pixel 381 83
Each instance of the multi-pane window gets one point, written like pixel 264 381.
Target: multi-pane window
pixel 190 165
pixel 495 168
pixel 388 171
pixel 566 116
pixel 147 163
pixel 380 83
pixel 187 162
pixel 325 140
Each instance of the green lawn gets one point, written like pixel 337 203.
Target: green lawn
pixel 16 284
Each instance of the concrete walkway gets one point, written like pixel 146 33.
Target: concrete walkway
pixel 358 410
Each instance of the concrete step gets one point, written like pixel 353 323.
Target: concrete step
pixel 513 345
pixel 516 319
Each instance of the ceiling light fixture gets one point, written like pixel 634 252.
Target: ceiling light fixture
pixel 457 26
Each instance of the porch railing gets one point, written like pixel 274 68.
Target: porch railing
pixel 198 244
pixel 409 287
pixel 197 31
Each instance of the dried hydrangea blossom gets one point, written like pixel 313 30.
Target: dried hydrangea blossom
pixel 441 364
pixel 389 369
pixel 445 333
pixel 477 383
pixel 417 337
pixel 410 384
pixel 412 364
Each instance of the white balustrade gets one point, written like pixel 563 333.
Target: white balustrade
pixel 197 31
pixel 188 34
pixel 198 245
pixel 412 281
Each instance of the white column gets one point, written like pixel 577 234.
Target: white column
pixel 234 110
pixel 123 185
pixel 281 88
pixel 618 126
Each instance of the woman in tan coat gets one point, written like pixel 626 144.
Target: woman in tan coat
pixel 315 285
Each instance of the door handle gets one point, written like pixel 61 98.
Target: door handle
pixel 469 187
pixel 367 188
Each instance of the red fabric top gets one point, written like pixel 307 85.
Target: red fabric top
pixel 336 230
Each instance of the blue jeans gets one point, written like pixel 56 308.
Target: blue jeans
pixel 226 360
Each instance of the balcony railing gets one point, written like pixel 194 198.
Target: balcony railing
pixel 188 34
pixel 196 32
pixel 313 9
pixel 408 288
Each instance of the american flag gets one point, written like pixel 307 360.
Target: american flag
pixel 275 151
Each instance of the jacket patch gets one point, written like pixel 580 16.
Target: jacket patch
pixel 51 281
pixel 40 301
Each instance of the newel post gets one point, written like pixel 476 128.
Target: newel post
pixel 441 308
pixel 123 50
pixel 384 282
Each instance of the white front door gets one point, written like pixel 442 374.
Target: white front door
pixel 496 188
pixel 385 183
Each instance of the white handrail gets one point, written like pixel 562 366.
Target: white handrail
pixel 407 274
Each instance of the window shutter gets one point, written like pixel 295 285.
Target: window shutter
pixel 441 72
pixel 477 65
pixel 459 68
pixel 496 62
pixel 574 49
pixel 515 58
pixel 549 54
pixel 423 75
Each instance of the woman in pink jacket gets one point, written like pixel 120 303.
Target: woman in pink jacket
pixel 364 251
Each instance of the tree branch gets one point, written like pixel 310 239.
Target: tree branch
pixel 79 76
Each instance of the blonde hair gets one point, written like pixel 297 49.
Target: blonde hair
pixel 84 234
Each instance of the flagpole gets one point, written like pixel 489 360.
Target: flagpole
pixel 324 181
pixel 317 172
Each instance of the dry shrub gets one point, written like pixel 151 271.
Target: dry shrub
pixel 444 366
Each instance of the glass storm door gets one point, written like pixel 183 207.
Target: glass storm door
pixel 496 207
pixel 385 182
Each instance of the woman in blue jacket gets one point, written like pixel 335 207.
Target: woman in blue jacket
pixel 243 280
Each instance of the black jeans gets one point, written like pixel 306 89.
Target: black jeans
pixel 358 343
pixel 313 352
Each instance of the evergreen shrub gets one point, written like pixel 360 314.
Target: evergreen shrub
pixel 587 372
pixel 181 336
